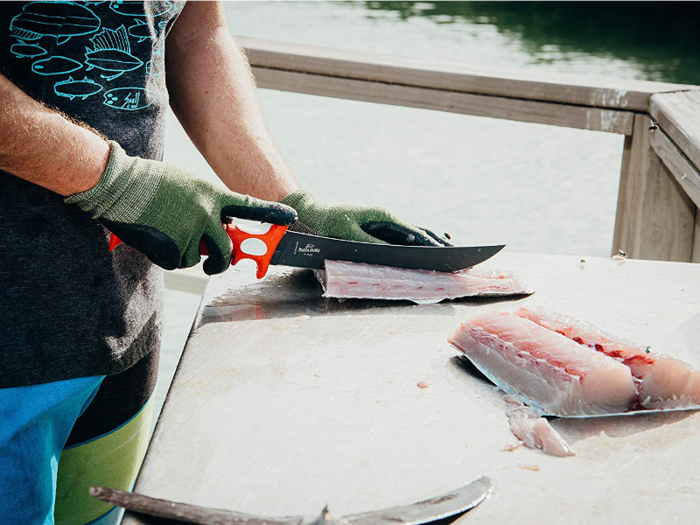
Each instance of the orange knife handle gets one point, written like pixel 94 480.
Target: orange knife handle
pixel 259 247
pixel 114 241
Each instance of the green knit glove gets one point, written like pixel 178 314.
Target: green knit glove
pixel 356 223
pixel 164 211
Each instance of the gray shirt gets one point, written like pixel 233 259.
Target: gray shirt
pixel 68 306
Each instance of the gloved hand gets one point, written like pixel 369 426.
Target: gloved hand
pixel 164 211
pixel 356 223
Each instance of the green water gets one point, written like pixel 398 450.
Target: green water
pixel 646 40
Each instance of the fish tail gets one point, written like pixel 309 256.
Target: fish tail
pixel 112 39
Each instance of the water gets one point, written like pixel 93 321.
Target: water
pixel 537 188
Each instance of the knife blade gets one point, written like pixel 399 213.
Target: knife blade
pixel 303 250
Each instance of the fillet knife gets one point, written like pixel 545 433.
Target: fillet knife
pixel 268 244
pixel 434 509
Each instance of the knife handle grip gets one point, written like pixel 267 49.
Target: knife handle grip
pixel 250 241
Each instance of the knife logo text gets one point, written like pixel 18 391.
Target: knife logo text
pixel 309 250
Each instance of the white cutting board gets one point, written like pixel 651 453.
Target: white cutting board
pixel 273 413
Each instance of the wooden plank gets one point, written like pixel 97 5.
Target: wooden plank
pixel 678 164
pixel 655 218
pixel 580 117
pixel 678 114
pixel 696 241
pixel 285 401
pixel 511 83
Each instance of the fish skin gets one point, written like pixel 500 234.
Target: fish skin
pixel 545 369
pixel 62 20
pixel 350 280
pixel 534 431
pixel 665 382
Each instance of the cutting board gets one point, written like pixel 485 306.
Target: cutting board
pixel 285 401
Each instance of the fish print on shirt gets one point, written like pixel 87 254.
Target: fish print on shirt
pixel 62 20
pixel 73 89
pixel 133 8
pixel 142 31
pixel 23 50
pixel 129 99
pixel 55 66
pixel 111 47
pixel 112 53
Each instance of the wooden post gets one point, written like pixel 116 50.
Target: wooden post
pixel 655 217
pixel 696 243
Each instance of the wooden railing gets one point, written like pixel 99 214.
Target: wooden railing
pixel 659 194
pixel 660 179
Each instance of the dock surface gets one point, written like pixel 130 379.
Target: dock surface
pixel 285 401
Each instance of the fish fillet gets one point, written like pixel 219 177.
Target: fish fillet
pixel 664 382
pixel 534 431
pixel 368 281
pixel 547 370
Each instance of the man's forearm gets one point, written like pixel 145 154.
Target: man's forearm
pixel 42 146
pixel 213 96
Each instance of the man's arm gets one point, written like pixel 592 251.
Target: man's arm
pixel 42 146
pixel 212 92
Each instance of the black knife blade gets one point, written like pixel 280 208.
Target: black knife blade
pixel 304 250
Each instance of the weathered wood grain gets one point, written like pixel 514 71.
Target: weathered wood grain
pixel 655 217
pixel 569 116
pixel 678 164
pixel 678 114
pixel 696 241
pixel 629 95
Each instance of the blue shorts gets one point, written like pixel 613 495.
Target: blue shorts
pixel 58 439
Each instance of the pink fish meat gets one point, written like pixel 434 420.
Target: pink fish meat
pixel 534 431
pixel 367 281
pixel 663 382
pixel 544 368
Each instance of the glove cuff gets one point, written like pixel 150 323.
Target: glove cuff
pixel 125 189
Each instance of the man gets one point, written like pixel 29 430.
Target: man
pixel 82 99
